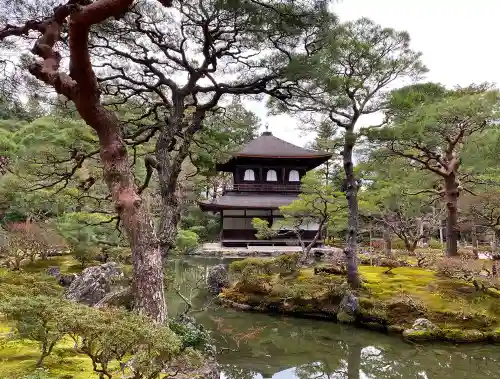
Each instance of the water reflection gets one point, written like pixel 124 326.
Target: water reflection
pixel 256 346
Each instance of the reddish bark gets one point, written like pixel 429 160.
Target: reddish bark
pixel 81 87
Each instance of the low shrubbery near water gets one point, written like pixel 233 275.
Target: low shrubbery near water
pixel 458 296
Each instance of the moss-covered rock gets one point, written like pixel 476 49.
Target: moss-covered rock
pixel 345 318
pixel 463 336
pixel 416 335
pixel 494 335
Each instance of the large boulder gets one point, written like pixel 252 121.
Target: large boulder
pixel 94 283
pixel 348 308
pixel 217 278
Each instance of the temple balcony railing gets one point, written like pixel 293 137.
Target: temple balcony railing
pixel 262 187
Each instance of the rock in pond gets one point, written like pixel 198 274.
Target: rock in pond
pixel 422 330
pixel 348 309
pixel 423 324
pixel 217 278
pixel 94 283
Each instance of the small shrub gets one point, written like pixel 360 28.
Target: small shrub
pixel 435 244
pixel 200 230
pixel 468 270
pixel 39 373
pixel 283 264
pixel 254 284
pixel 286 263
pixel 192 335
pixel 84 254
pixel 425 259
pixel 186 242
pixel 252 266
pixel 119 254
pixel 36 318
pixel 389 263
pixel 407 304
pixel 456 268
pixel 143 348
pixel 24 284
pixel 398 244
pixel 330 241
pixel 365 259
pixel 466 254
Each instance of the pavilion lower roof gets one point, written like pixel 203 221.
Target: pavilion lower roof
pixel 248 201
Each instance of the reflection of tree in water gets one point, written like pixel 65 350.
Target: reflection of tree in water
pixel 347 368
pixel 418 362
pixel 189 280
pixel 320 350
pixel 235 372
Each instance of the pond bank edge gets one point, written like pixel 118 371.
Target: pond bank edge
pixel 456 336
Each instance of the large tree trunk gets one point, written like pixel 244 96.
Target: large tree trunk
pixel 135 218
pixel 82 88
pixel 351 190
pixel 451 188
pixel 170 166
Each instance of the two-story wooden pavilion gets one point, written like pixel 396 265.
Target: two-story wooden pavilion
pixel 266 175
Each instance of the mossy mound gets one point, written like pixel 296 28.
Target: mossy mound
pixel 387 302
pixel 18 359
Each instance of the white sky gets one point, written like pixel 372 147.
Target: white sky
pixel 458 39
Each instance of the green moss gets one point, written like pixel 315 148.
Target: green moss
pixel 66 263
pixel 345 318
pixel 421 335
pixel 18 359
pixel 463 336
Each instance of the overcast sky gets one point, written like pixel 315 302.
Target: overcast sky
pixel 458 39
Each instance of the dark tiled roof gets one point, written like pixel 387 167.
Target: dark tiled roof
pixel 246 200
pixel 268 145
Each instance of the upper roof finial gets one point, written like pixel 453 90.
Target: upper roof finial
pixel 267 132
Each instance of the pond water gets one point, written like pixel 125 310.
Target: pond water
pixel 258 346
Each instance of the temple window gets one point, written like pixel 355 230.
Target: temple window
pixel 293 176
pixel 249 175
pixel 271 176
